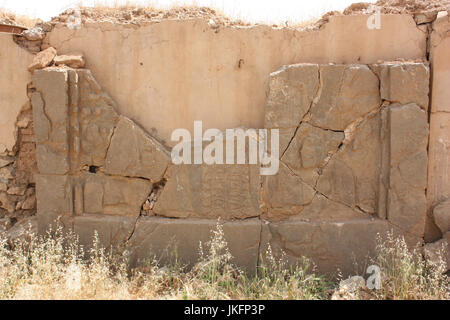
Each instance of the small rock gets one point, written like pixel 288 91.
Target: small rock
pixel 5 162
pixel 436 250
pixel 349 288
pixel 17 190
pixel 6 203
pixel 34 34
pixel 6 173
pixel 73 61
pixel 22 230
pixel 425 17
pixel 441 215
pixel 29 203
pixel 3 186
pixel 43 59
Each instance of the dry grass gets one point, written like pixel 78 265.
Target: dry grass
pixel 57 267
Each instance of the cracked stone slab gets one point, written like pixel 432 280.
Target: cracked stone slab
pixel 112 231
pixel 285 194
pixel 309 150
pixel 54 201
pixel 332 246
pixel 51 116
pixel 404 83
pixel 114 195
pixel 93 118
pixel 408 168
pixel 291 92
pixel 133 153
pixel 352 175
pixel 164 237
pixel 347 93
pixel 210 191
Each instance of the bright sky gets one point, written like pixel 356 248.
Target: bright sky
pixel 268 11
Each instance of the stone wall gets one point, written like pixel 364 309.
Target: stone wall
pixel 353 164
pixel 359 128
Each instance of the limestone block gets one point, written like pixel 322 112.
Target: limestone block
pixel 309 151
pixel 405 83
pixel 441 78
pixel 210 191
pixel 352 175
pixel 42 59
pixel 112 231
pixel 163 238
pixel 347 92
pixel 285 193
pixel 291 93
pixel 114 195
pixel 73 61
pixel 51 116
pixel 441 215
pixel 94 119
pixel 135 154
pixel 408 168
pixel 54 201
pixel 332 246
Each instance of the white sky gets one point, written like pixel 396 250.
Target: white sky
pixel 268 11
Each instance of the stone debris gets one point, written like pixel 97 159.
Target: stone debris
pixel 441 215
pixel 73 61
pixel 43 59
pixel 34 34
pixel 349 288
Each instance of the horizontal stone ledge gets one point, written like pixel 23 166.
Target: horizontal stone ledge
pixel 345 246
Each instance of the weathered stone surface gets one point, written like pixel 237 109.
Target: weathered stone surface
pixel 165 237
pixel 135 154
pixel 309 151
pixel 285 194
pixel 5 161
pixel 408 173
pixel 51 116
pixel 73 61
pixel 111 231
pixel 352 175
pixel 54 201
pixel 405 83
pixel 347 93
pixel 291 92
pixel 93 120
pixel 42 59
pixel 7 203
pixel 349 288
pixel 425 17
pixel 332 246
pixel 115 195
pixel 210 191
pixel 441 215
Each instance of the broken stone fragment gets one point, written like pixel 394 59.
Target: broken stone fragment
pixel 425 17
pixel 29 203
pixel 441 214
pixel 17 190
pixel 6 203
pixel 133 153
pixel 34 34
pixel 404 83
pixel 347 92
pixel 210 191
pixel 73 61
pixel 42 59
pixel 5 161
